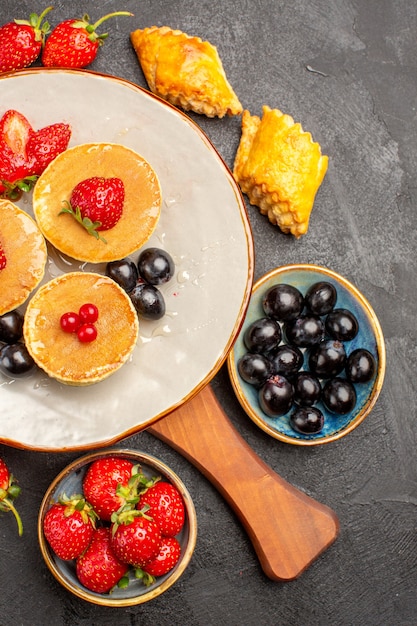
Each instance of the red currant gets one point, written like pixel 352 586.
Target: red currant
pixel 88 313
pixel 87 333
pixel 70 322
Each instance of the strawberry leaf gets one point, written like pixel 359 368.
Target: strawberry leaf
pixel 90 226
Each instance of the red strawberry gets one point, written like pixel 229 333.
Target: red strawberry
pixel 24 153
pixel 46 144
pixel 97 203
pixel 68 526
pixel 166 559
pixel 8 492
pixel 111 483
pixel 98 569
pixel 74 43
pixel 166 507
pixel 21 41
pixel 135 539
pixel 3 258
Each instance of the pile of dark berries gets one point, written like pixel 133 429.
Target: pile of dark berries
pixel 297 356
pixel 140 280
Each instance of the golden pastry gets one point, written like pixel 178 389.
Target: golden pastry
pixel 141 209
pixel 61 354
pixel 280 168
pixel 185 71
pixel 25 254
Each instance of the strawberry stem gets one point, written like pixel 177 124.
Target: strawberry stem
pixel 10 506
pixel 106 17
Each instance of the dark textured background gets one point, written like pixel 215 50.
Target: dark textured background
pixel 346 69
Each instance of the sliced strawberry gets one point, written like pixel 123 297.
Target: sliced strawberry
pixel 98 568
pixel 15 131
pixel 165 506
pixel 3 259
pixel 45 145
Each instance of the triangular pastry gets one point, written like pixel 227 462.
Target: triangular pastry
pixel 185 71
pixel 280 168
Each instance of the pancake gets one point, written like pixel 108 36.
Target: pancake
pixel 25 251
pixel 60 354
pixel 141 210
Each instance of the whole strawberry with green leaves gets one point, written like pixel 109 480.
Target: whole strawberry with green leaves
pixel 166 559
pixel 74 43
pixel 165 505
pixel 9 491
pixel 98 568
pixel 68 526
pixel 111 484
pixel 135 537
pixel 21 41
pixel 96 203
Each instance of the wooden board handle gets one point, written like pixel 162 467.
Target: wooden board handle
pixel 288 529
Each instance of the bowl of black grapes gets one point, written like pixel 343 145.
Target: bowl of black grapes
pixel 309 362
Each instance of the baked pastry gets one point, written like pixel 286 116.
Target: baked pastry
pixel 280 168
pixel 24 249
pixel 185 71
pixel 61 354
pixel 141 208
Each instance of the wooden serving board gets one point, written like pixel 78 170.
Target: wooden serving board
pixel 287 528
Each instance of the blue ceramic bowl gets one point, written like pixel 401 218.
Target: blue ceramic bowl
pixel 369 337
pixel 69 481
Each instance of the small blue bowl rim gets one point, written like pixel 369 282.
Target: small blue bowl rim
pixel 348 297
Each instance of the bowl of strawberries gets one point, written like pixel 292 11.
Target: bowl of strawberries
pixel 117 527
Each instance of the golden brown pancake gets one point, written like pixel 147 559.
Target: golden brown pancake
pixel 25 250
pixel 62 355
pixel 141 210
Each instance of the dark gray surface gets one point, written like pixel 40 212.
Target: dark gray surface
pixel 347 71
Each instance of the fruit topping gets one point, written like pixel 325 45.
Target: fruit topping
pixel 307 389
pixel 305 330
pixel 25 153
pixel 286 360
pixel 327 359
pixel 148 301
pixel 155 266
pixel 165 505
pixel 3 258
pixel 97 204
pixel 166 559
pixel 11 326
pixel 15 360
pixel 255 369
pixel 124 273
pixel 81 323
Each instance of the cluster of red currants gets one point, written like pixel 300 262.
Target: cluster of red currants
pixel 81 323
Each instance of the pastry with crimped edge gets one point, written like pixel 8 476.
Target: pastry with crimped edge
pixel 185 71
pixel 280 168
pixel 25 256
pixel 141 208
pixel 61 354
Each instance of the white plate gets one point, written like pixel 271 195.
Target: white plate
pixel 204 227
